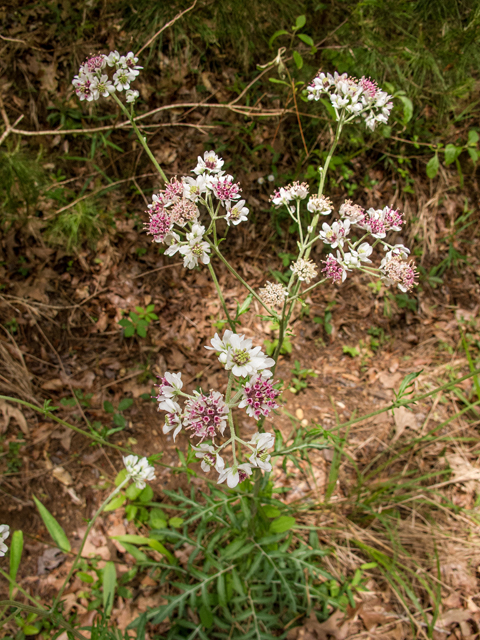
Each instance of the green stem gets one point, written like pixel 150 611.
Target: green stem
pixel 21 589
pixel 307 290
pixel 89 527
pixel 142 140
pixel 220 295
pixel 50 415
pixel 240 279
pixel 45 614
pixel 407 401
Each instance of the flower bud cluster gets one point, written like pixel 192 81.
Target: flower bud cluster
pixel 4 533
pixel 206 416
pixel 178 204
pixel 93 80
pixel 273 294
pixel 352 97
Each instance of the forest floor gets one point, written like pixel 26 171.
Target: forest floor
pixel 63 340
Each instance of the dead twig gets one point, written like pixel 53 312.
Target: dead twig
pixel 165 26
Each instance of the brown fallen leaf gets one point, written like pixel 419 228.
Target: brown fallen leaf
pixel 403 419
pixel 10 412
pixel 335 627
pixel 62 475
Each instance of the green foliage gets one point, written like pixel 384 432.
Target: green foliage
pixel 54 529
pixel 300 377
pixel 137 323
pixel 21 176
pixel 246 574
pixel 80 224
pixel 119 420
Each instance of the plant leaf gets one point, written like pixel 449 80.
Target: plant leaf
pixel 277 34
pixel 16 548
pixel 125 404
pixel 298 59
pixel 109 585
pixel 432 166
pixel 54 529
pixel 306 39
pixel 300 22
pixel 282 524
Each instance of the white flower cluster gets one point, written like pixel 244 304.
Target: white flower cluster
pixel 352 97
pixel 4 533
pixel 139 470
pixel 93 81
pixel 178 204
pixel 376 223
pixel 206 416
pixel 239 357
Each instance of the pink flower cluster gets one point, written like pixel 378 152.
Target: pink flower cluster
pixel 352 97
pixel 334 269
pixel 206 415
pixel 93 81
pixel 259 397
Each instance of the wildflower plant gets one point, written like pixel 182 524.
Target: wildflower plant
pixel 185 217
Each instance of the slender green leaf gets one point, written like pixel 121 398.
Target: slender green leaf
pixel 54 529
pixel 16 548
pixel 109 585
pixel 277 34
pixel 306 39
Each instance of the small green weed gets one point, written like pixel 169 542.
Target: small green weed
pixel 137 323
pixel 300 377
pixel 118 419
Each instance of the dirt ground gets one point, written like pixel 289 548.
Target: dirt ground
pixel 67 339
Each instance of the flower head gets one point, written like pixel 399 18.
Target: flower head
pixel 334 269
pixel 297 190
pixel 159 225
pixel 352 212
pixel 183 211
pixel 239 357
pixel 235 475
pixel 210 163
pixel 281 196
pixel 138 470
pixel 397 270
pixel 320 205
pixel 305 270
pixel 210 457
pixel 4 533
pixel 273 294
pixel 353 97
pixel 206 415
pixel 169 386
pixel 259 397
pixel 173 417
pixel 236 213
pixel 196 248
pixel 193 188
pixel 224 188
pixel 261 458
pixel 334 235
